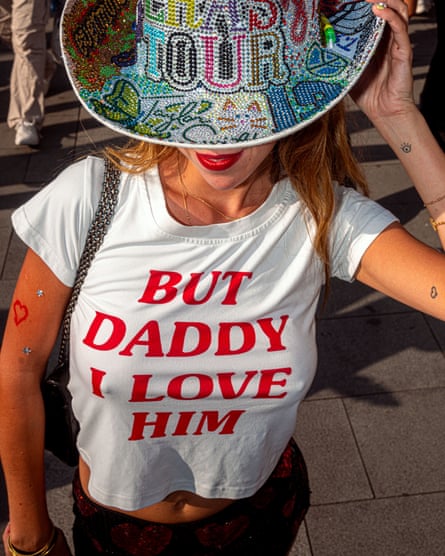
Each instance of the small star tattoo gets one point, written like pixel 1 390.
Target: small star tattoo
pixel 405 147
pixel 39 293
pixel 27 350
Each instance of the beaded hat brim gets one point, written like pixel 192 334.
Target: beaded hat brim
pixel 214 74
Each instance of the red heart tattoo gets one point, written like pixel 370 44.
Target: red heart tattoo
pixel 20 312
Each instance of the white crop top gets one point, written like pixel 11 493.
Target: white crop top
pixel 191 347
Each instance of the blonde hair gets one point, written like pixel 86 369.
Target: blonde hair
pixel 311 158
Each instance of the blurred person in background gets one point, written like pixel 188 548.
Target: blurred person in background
pixel 412 7
pixel 424 7
pixel 431 102
pixel 23 25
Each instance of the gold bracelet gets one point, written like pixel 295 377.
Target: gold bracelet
pixel 44 551
pixel 441 198
pixel 435 224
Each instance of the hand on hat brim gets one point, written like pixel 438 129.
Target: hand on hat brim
pixel 386 86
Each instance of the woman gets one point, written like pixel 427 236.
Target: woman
pixel 192 342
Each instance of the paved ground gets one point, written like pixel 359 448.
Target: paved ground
pixel 372 428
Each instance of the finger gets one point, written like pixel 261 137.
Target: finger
pixel 395 13
pixel 384 9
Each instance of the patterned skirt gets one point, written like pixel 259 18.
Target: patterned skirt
pixel 264 524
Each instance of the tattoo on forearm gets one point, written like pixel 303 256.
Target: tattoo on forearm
pixel 405 147
pixel 434 292
pixel 20 312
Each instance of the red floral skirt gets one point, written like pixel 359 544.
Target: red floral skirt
pixel 264 524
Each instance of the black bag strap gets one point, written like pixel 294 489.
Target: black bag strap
pixel 96 233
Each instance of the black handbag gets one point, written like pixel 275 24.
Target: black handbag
pixel 61 427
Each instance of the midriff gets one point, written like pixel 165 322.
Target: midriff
pixel 178 507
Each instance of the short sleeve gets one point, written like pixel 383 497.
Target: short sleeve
pixel 54 223
pixel 357 223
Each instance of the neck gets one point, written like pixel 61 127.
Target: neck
pixel 192 201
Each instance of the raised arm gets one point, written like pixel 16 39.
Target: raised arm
pixel 407 270
pixel 396 263
pixel 31 331
pixel 385 95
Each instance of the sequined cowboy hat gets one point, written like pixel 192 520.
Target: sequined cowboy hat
pixel 217 73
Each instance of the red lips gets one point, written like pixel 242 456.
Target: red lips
pixel 218 162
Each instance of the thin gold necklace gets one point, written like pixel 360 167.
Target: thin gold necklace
pixel 186 193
